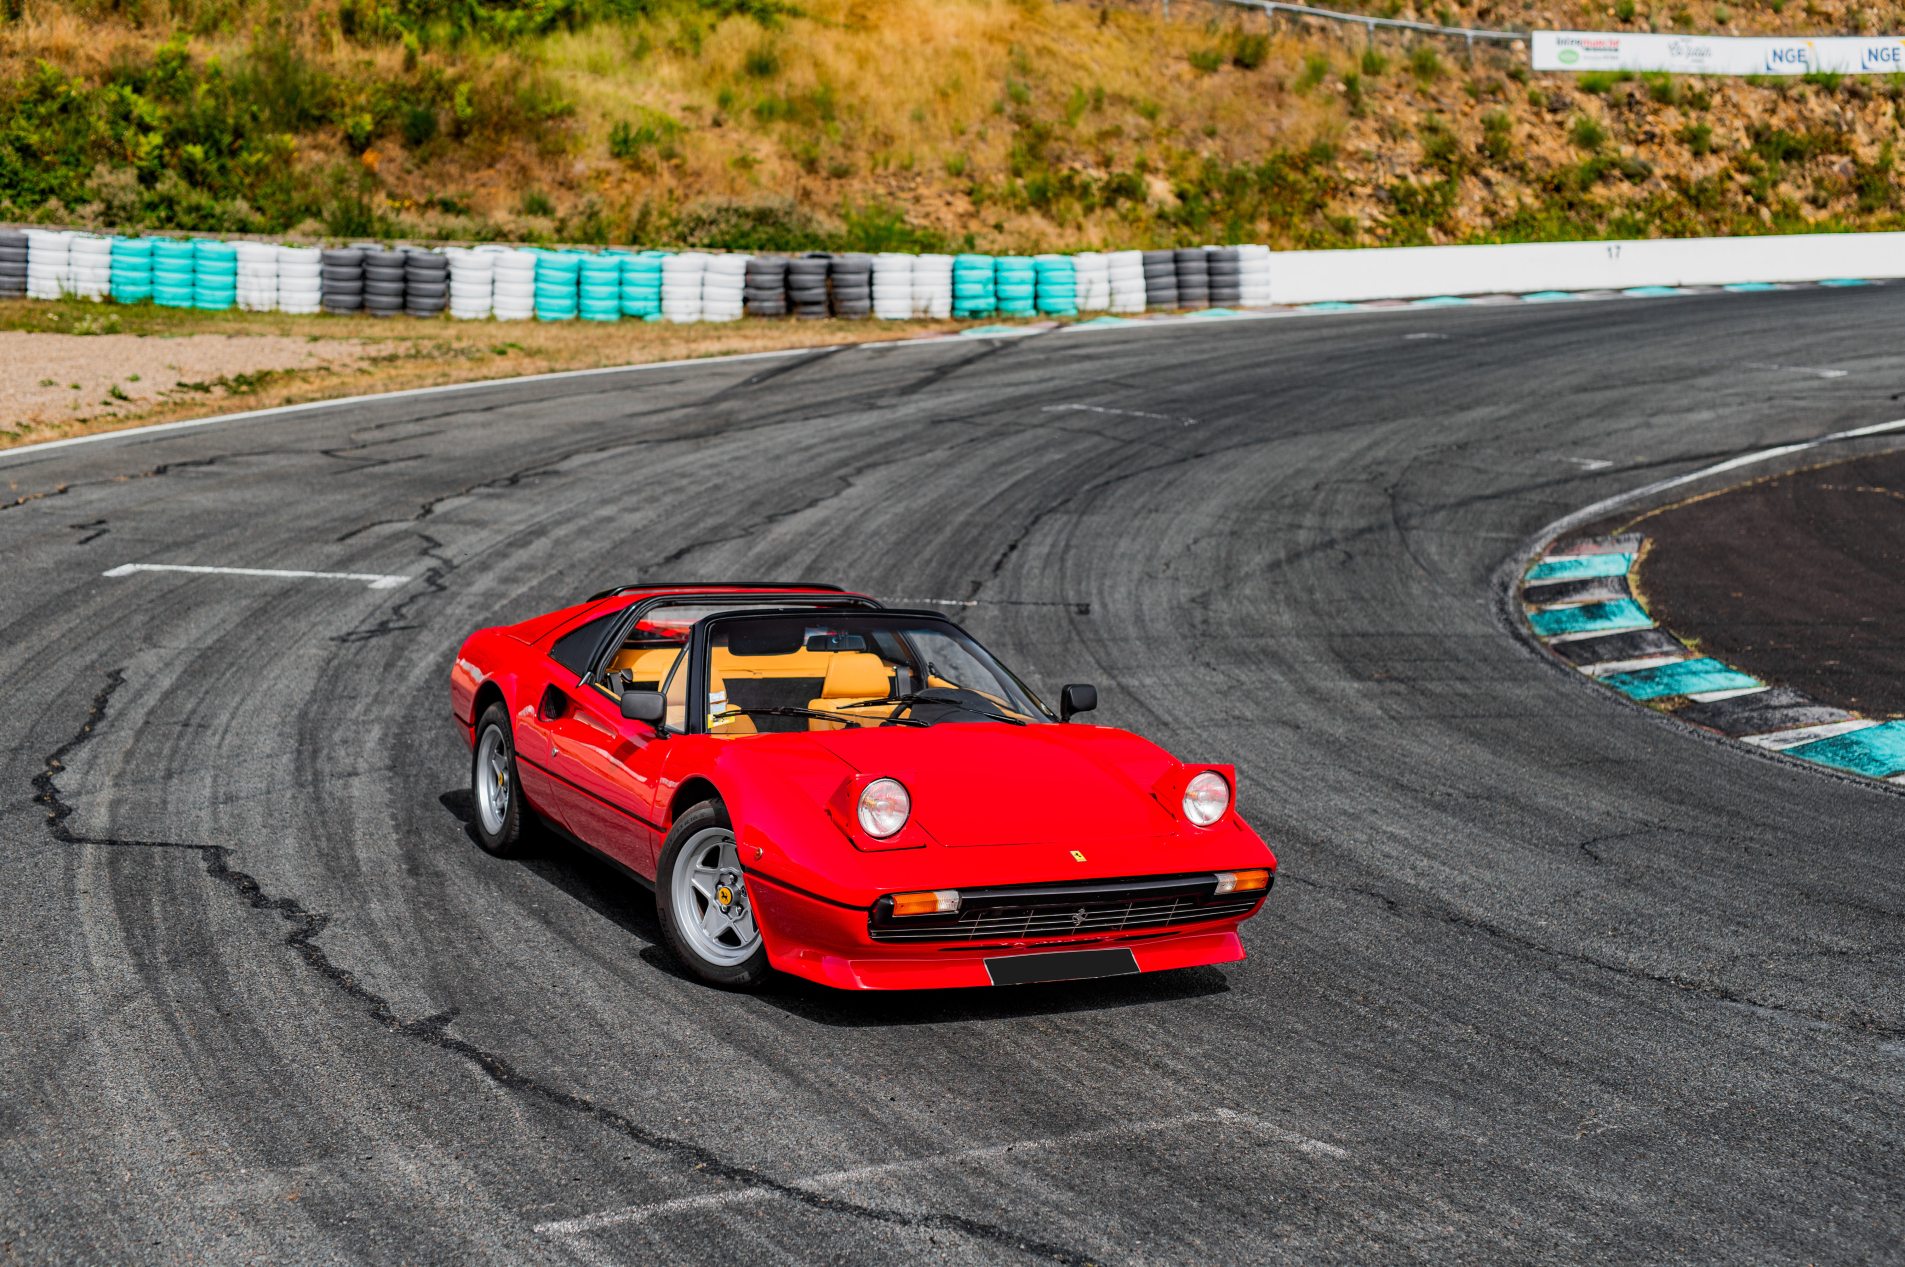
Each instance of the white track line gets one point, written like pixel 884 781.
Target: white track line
pixel 1588 514
pixel 373 579
pixel 1779 740
pixel 252 415
pixel 1814 370
pixel 837 1178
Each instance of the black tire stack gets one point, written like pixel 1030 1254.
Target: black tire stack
pixel 1160 279
pixel 341 280
pixel 426 283
pixel 383 283
pixel 807 285
pixel 12 264
pixel 765 291
pixel 1226 276
pixel 851 276
pixel 1193 278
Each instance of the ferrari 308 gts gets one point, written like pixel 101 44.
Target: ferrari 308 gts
pixel 862 796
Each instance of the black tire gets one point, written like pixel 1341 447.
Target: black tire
pixel 503 825
pixel 685 916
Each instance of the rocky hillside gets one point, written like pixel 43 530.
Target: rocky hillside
pixel 1000 124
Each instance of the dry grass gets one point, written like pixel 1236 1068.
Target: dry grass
pixel 391 355
pixel 917 86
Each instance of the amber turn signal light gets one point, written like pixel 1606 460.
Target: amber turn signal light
pixel 1242 881
pixel 937 902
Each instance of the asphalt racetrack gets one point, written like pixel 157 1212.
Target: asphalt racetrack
pixel 1545 977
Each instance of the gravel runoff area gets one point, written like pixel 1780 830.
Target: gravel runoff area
pixel 54 378
pixel 1798 579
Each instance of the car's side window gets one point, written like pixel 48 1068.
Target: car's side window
pixel 676 692
pixel 573 649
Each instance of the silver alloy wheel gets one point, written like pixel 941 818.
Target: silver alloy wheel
pixel 492 780
pixel 707 871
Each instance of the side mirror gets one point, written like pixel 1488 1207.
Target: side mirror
pixel 648 706
pixel 1079 698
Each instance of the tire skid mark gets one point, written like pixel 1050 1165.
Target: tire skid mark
pixel 307 925
pixel 1430 911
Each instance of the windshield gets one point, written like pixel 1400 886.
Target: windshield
pixel 650 651
pixel 831 670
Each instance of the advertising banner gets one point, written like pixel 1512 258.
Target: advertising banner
pixel 1718 54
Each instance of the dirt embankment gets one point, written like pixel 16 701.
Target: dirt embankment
pixel 1006 125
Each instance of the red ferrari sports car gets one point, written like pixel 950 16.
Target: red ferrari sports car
pixel 816 783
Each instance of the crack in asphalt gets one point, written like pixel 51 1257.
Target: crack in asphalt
pixel 432 577
pixel 163 468
pixel 431 1030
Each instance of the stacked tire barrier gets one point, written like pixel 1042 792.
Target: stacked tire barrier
pixel 973 279
pixel 558 285
pixel 807 286
pixel 426 283
pixel 472 277
pixel 514 290
pixel 599 286
pixel 383 283
pixel 48 264
pixel 1253 275
pixel 724 288
pixel 214 275
pixel 681 285
pixel 13 264
pixel 1193 277
pixel 90 258
pixel 1160 279
pixel 1093 278
pixel 641 286
pixel 616 283
pixel 257 289
pixel 1057 285
pixel 766 291
pixel 1015 282
pixel 892 286
pixel 1226 276
pixel 300 280
pixel 342 280
pixel 933 286
pixel 1124 274
pixel 172 272
pixel 850 277
pixel 131 269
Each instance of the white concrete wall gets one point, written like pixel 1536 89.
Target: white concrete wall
pixel 1416 272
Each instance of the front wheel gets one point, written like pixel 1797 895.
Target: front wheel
pixel 502 820
pixel 701 895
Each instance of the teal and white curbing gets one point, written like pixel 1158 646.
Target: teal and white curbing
pixel 1578 601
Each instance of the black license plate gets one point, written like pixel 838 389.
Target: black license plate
pixel 1063 965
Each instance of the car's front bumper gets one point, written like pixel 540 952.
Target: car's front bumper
pixel 809 937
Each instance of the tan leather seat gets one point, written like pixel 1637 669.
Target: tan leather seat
pixel 740 724
pixel 852 677
pixel 649 666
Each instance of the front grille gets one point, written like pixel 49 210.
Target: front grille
pixel 1058 919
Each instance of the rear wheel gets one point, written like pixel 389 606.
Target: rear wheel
pixel 502 820
pixel 706 912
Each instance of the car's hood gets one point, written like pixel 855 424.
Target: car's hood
pixel 993 784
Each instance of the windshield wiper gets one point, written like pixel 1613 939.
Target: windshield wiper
pixel 811 712
pixel 921 697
